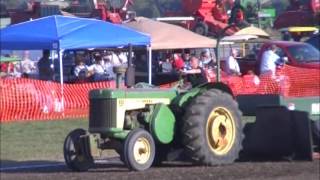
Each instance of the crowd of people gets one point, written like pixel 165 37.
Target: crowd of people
pixel 17 68
pixel 175 62
pixel 98 66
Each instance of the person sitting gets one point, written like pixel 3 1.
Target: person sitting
pixel 269 61
pixel 206 61
pixel 81 70
pixel 178 62
pixel 166 66
pixel 98 70
pixel 186 58
pixel 232 66
pixel 219 12
pixel 237 15
pixel 195 76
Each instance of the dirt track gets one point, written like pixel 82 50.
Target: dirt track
pixel 240 170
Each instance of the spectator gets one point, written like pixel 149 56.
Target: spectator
pixel 27 5
pixel 286 36
pixel 117 58
pixel 232 66
pixel 268 62
pixel 108 66
pixel 27 65
pixel 186 55
pixel 166 66
pixel 206 61
pixel 178 62
pixel 98 70
pixel 195 75
pixel 251 14
pixel 123 59
pixel 237 15
pixel 44 66
pixel 81 69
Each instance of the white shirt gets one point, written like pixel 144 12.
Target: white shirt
pixel 232 66
pixel 115 60
pixel 108 66
pixel 268 62
pixel 123 58
pixel 79 68
pixel 97 68
pixel 27 66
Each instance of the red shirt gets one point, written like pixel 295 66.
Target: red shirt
pixel 178 63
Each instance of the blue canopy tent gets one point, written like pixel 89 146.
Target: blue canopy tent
pixel 60 33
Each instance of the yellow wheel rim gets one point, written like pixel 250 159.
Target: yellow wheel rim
pixel 141 150
pixel 220 131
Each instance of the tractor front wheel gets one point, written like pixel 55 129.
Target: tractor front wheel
pixel 139 150
pixel 73 150
pixel 212 129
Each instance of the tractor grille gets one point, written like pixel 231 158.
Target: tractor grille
pixel 102 115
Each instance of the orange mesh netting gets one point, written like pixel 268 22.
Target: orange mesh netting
pixel 289 82
pixel 29 99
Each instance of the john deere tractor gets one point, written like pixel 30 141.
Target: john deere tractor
pixel 144 125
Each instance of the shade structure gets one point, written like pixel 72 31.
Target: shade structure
pixel 253 31
pixel 61 32
pixel 169 36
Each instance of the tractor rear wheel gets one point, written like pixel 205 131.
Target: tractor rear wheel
pixel 212 129
pixel 73 150
pixel 139 150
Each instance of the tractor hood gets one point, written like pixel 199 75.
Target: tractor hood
pixel 133 93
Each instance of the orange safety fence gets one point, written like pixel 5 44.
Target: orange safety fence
pixel 289 81
pixel 30 99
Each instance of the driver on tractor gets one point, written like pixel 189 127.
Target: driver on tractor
pixel 195 76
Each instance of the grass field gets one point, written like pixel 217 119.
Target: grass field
pixel 35 141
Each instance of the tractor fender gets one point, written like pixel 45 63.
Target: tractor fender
pixel 182 101
pixel 218 85
pixel 162 123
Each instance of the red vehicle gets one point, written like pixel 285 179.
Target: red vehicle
pixel 114 11
pixel 298 54
pixel 210 16
pixel 299 13
pixel 108 10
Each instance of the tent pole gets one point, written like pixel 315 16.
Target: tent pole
pixel 60 52
pixel 150 64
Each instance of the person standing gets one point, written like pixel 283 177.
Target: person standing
pixel 44 66
pixel 27 65
pixel 268 62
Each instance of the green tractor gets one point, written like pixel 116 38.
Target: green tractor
pixel 145 124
